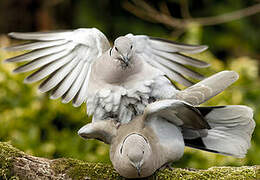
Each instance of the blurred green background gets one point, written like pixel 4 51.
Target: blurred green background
pixel 43 127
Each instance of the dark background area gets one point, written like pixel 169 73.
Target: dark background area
pixel 113 20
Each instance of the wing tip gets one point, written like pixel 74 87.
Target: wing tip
pixel 42 89
pixel 65 101
pixel 26 81
pixel 16 70
pixel 6 61
pixel 196 48
pixel 53 97
pixel 76 104
pixel 7 49
pixel 13 34
pixel 232 74
pixel 205 65
pixel 203 47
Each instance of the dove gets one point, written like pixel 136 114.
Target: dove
pixel 157 138
pixel 114 81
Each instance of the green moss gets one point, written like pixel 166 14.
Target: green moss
pixel 76 169
pixel 225 173
pixel 7 154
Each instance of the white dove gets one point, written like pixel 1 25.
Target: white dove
pixel 115 82
pixel 158 136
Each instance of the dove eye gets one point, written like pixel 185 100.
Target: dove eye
pixel 116 49
pixel 131 47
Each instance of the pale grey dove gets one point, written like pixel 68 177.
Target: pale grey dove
pixel 157 138
pixel 118 81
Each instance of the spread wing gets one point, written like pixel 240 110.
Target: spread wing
pixel 166 56
pixel 64 58
pixel 177 112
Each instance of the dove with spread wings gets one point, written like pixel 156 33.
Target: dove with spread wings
pixel 115 82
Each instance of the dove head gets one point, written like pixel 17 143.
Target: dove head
pixel 122 50
pixel 135 151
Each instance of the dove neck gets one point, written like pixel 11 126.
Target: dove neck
pixel 112 71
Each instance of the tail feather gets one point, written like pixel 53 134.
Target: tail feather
pixel 230 133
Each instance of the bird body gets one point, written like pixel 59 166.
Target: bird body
pixel 116 82
pixel 128 83
pixel 158 155
pixel 158 136
pixel 151 141
pixel 124 91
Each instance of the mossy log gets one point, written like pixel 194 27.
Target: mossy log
pixel 14 164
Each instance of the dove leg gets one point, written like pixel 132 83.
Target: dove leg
pixel 166 166
pixel 117 123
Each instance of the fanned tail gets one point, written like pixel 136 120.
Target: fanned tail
pixel 230 133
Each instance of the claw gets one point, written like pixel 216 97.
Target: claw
pixel 117 124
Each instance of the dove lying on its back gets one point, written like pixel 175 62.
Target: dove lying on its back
pixel 118 81
pixel 157 138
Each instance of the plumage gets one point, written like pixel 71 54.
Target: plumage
pixel 35 45
pixel 169 46
pixel 37 63
pixel 170 73
pixel 155 139
pixel 231 130
pixel 128 84
pixel 41 36
pixel 66 83
pixel 207 88
pixel 39 53
pixel 50 68
pixel 76 65
pixel 179 68
pixel 180 58
pixel 66 98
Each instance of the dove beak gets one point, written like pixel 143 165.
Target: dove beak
pixel 138 168
pixel 125 59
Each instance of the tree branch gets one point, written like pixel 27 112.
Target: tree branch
pixel 206 21
pixel 143 10
pixel 185 9
pixel 15 164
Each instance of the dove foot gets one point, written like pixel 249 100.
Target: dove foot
pixel 166 166
pixel 117 124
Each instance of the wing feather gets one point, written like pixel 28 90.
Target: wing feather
pixel 170 46
pixel 66 83
pixel 180 58
pixel 177 112
pixel 41 36
pixel 63 58
pixel 35 45
pixel 48 69
pixel 166 56
pixel 170 73
pixel 178 68
pixel 37 63
pixel 76 86
pixel 38 53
